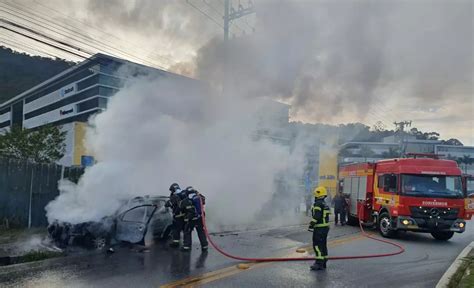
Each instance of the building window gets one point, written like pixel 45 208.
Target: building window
pixel 106 91
pixel 98 102
pixel 5 124
pixel 87 82
pixel 87 105
pixel 53 87
pixel 69 100
pixel 17 114
pixel 4 111
pixel 110 81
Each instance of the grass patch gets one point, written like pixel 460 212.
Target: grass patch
pixel 13 235
pixel 38 256
pixel 468 279
pixel 459 278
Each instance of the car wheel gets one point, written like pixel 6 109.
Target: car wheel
pixel 442 235
pixel 385 226
pixel 96 242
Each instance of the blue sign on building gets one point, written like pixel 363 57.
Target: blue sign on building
pixel 87 161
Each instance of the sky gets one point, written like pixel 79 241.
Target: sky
pixel 332 61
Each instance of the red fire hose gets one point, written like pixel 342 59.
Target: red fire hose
pixel 400 248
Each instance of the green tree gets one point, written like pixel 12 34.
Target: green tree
pixel 391 153
pixel 466 160
pixel 366 152
pixel 44 145
pixel 452 141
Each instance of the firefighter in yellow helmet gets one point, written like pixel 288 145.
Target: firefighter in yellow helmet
pixel 320 227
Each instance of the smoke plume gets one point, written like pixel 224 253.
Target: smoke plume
pixel 157 131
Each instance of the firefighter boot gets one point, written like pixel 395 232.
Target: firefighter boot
pixel 174 244
pixel 317 266
pixel 325 263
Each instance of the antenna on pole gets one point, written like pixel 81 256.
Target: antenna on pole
pixel 230 14
pixel 400 126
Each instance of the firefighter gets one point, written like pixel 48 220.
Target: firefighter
pixel 176 196
pixel 340 206
pixel 320 227
pixel 192 208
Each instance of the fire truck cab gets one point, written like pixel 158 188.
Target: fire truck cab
pixel 406 194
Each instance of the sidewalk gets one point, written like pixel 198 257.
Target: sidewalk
pixel 25 245
pixel 461 272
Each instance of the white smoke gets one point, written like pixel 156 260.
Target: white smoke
pixel 157 131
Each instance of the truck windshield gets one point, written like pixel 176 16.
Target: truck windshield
pixel 432 186
pixel 470 187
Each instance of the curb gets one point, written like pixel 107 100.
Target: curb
pixel 444 281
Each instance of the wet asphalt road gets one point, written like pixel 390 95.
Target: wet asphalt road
pixel 423 263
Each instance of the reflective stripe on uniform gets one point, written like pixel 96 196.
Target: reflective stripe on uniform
pixel 321 225
pixel 319 255
pixel 316 208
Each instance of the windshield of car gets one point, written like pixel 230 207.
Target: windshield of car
pixel 470 187
pixel 432 186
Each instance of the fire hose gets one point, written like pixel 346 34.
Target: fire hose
pixel 282 259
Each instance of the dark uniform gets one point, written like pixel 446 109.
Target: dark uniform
pixel 340 206
pixel 178 216
pixel 191 206
pixel 320 227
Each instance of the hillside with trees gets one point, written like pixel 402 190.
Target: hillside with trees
pixel 19 71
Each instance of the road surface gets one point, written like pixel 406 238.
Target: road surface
pixel 422 265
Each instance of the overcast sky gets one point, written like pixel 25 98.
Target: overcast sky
pixel 333 61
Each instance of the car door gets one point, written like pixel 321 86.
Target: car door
pixel 132 224
pixel 161 220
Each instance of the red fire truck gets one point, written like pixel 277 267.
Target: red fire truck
pixel 406 194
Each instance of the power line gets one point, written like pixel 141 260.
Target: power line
pixel 88 38
pixel 9 41
pixel 41 41
pixel 102 32
pixel 221 16
pixel 204 13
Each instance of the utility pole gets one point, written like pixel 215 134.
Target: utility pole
pixel 226 20
pixel 230 14
pixel 400 128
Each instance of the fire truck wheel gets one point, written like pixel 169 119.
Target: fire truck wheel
pixel 442 236
pixel 385 225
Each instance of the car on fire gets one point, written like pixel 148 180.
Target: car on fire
pixel 130 223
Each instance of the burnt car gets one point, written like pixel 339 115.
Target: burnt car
pixel 130 223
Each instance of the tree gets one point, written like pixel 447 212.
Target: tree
pixel 466 160
pixel 366 152
pixel 391 153
pixel 452 141
pixel 44 145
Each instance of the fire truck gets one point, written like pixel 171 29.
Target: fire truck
pixel 406 194
pixel 468 184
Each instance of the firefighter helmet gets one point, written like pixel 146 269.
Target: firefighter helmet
pixel 320 192
pixel 174 187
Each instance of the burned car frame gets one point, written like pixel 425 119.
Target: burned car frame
pixel 131 222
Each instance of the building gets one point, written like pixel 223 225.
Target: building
pixel 464 155
pixel 70 98
pixel 353 152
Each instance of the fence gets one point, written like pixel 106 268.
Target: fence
pixel 26 188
